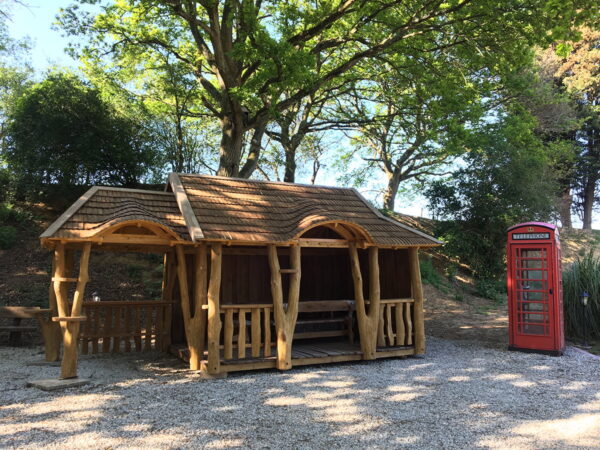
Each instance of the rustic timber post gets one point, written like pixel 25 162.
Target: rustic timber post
pixel 69 323
pixel 417 294
pixel 214 307
pixel 50 329
pixel 195 325
pixel 168 285
pixel 368 322
pixel 285 320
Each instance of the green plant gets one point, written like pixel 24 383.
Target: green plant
pixel 491 289
pixel 459 297
pixel 8 236
pixel 582 276
pixel 451 272
pixel 429 274
pixel 5 210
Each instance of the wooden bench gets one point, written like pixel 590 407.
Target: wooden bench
pixel 345 318
pixel 17 314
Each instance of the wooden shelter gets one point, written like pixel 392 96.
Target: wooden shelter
pixel 256 275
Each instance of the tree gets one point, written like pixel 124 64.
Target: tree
pixel 61 133
pixel 580 73
pixel 505 179
pixel 409 123
pixel 156 88
pixel 245 54
pixel 557 119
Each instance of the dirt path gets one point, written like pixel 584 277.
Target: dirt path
pixel 472 319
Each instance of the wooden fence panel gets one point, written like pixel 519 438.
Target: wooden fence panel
pixel 396 323
pixel 125 326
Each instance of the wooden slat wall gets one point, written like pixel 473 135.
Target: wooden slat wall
pixel 125 326
pixel 326 275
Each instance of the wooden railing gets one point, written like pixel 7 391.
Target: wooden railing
pixel 395 323
pixel 246 327
pixel 116 326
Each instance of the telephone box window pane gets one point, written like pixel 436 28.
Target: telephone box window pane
pixel 532 285
pixel 536 307
pixel 532 253
pixel 532 274
pixel 535 296
pixel 527 328
pixel 533 318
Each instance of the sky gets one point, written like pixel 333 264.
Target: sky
pixel 35 20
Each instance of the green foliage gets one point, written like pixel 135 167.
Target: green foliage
pixel 505 179
pixel 582 276
pixel 61 133
pixel 149 272
pixel 429 274
pixel 8 236
pixel 491 289
pixel 250 61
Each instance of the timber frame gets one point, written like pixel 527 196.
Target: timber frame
pixel 236 289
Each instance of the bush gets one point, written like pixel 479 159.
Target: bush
pixel 8 236
pixel 582 276
pixel 491 289
pixel 428 273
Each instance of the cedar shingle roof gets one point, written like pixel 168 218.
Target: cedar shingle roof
pixel 102 207
pixel 263 211
pixel 218 208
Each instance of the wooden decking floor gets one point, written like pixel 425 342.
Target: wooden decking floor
pixel 302 354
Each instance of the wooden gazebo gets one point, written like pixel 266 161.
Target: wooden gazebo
pixel 256 275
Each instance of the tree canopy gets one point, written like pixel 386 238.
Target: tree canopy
pixel 255 59
pixel 62 133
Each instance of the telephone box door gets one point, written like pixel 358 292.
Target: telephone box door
pixel 533 294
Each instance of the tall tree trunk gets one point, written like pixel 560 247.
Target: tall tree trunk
pixel 589 188
pixel 179 158
pixel 232 140
pixel 588 201
pixel 564 203
pixel 389 196
pixel 290 162
pixel 254 152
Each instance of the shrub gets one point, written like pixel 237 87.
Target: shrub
pixel 8 236
pixel 582 276
pixel 491 289
pixel 428 273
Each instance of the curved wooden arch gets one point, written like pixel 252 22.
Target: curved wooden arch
pixel 348 231
pixel 157 229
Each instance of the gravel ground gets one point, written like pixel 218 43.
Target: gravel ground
pixel 460 395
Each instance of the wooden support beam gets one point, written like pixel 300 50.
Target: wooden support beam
pixel 194 319
pixel 417 294
pixel 51 330
pixel 285 320
pixel 214 318
pixel 368 321
pixel 70 321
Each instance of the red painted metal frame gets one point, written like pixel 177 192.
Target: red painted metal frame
pixel 521 335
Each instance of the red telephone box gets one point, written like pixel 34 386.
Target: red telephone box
pixel 534 281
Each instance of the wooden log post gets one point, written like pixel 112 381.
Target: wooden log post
pixel 417 294
pixel 194 324
pixel 70 320
pixel 214 316
pixel 285 320
pixel 368 321
pixel 51 330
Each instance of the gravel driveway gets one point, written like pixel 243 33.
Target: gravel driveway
pixel 459 395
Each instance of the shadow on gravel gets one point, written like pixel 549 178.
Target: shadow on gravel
pixel 458 395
